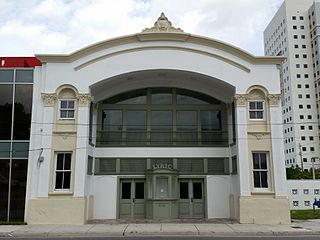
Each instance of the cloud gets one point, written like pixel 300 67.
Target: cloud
pixel 62 26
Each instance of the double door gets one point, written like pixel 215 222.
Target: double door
pixel 191 198
pixel 132 199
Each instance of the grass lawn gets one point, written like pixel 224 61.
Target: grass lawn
pixel 305 214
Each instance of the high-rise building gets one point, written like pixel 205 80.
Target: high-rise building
pixel 16 85
pixel 293 33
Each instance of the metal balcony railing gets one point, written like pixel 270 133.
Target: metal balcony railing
pixel 161 138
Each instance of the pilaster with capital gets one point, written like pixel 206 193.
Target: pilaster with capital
pixel 274 99
pixel 49 99
pixel 241 99
pixel 84 99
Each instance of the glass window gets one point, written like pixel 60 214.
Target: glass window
pixel 5 149
pixel 22 112
pixel 184 190
pixel 256 110
pixel 4 186
pixel 260 170
pixel 162 187
pixel 126 190
pixel 67 108
pixel 132 97
pixel 20 149
pixel 161 96
pixel 218 166
pixel 139 190
pixel 112 120
pixel 136 120
pixel 190 165
pixel 187 120
pixel 132 165
pixel 24 76
pixel 6 98
pixel 161 120
pixel 18 189
pixel 154 123
pixel 234 165
pixel 197 190
pixel 210 120
pixel 90 166
pixel 190 97
pixel 105 165
pixel 63 171
pixel 6 75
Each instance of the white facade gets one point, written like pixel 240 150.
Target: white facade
pixel 162 56
pixel 302 193
pixel 290 34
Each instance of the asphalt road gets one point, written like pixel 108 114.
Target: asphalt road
pixel 300 237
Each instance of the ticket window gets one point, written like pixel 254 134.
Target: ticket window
pixel 162 187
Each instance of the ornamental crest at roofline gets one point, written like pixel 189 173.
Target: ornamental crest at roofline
pixel 162 25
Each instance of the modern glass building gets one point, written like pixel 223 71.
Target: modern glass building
pixel 16 85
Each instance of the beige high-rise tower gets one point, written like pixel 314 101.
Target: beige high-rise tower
pixel 294 33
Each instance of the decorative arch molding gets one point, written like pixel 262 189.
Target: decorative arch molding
pixel 257 89
pixel 205 84
pixel 66 91
pixel 147 48
pixel 159 36
pixel 66 87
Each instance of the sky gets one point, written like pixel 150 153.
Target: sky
pixel 29 27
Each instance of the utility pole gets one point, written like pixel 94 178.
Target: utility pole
pixel 313 159
pixel 300 153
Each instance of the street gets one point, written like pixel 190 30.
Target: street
pixel 299 237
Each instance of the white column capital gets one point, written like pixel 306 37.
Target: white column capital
pixel 241 99
pixel 49 99
pixel 274 99
pixel 84 99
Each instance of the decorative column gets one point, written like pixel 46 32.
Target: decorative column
pixel 242 144
pixel 278 159
pixel 82 144
pixel 49 101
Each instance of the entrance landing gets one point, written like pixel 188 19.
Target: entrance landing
pixel 189 220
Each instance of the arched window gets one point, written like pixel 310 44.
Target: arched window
pixel 162 117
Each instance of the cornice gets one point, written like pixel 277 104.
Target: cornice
pixel 159 36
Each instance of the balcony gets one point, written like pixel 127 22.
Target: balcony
pixel 161 138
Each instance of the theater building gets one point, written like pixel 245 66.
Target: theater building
pixel 160 124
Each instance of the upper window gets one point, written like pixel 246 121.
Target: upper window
pixel 67 108
pixel 256 110
pixel 260 169
pixel 63 171
pixel 162 116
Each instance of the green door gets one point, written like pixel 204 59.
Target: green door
pixel 132 199
pixel 191 198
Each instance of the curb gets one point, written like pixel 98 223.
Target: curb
pixel 146 234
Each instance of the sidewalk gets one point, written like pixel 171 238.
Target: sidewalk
pixel 310 227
